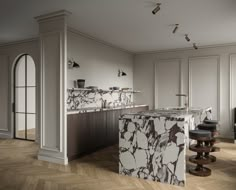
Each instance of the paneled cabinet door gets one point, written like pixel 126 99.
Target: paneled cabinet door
pixel 113 126
pixel 97 127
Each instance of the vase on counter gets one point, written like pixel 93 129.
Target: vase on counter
pixel 81 83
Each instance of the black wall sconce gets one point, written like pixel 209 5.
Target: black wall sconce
pixel 72 64
pixel 121 73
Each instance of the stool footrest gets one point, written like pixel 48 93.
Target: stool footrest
pixel 196 148
pixel 211 157
pixel 200 161
pixel 203 172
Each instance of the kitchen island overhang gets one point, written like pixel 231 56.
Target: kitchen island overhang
pixel 152 144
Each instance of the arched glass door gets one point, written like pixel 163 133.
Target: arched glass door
pixel 25 98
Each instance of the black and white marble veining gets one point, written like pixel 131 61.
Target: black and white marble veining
pixel 152 144
pixel 153 147
pixel 77 99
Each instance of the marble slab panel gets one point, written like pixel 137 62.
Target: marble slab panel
pixel 77 99
pixel 153 147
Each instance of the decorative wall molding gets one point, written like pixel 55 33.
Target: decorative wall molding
pixel 4 94
pixel 19 42
pixel 53 78
pixel 156 80
pixel 185 49
pixel 231 86
pixel 54 159
pixel 5 135
pixel 43 130
pixel 217 57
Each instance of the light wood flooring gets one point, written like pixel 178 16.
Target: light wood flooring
pixel 19 169
pixel 30 134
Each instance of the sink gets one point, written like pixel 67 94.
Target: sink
pixel 173 108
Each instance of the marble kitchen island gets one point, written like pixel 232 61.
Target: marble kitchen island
pixel 152 144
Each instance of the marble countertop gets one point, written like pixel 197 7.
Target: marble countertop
pixel 97 109
pixel 170 112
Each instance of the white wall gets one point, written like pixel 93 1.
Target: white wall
pixel 144 77
pixel 99 63
pixel 11 52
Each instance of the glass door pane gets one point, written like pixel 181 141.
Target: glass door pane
pixel 20 125
pixel 20 72
pixel 20 99
pixel 31 99
pixel 30 71
pixel 31 126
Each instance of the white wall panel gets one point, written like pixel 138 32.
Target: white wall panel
pixel 167 83
pixel 51 87
pixel 232 87
pixel 204 83
pixel 4 95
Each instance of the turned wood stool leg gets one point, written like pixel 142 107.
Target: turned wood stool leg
pixel 202 148
pixel 210 125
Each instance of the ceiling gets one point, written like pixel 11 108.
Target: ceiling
pixel 128 24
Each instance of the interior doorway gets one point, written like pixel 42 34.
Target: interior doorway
pixel 24 106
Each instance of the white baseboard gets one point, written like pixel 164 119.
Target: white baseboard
pixel 56 160
pixel 5 136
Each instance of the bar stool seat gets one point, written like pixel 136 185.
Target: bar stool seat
pixel 199 134
pixel 203 138
pixel 207 126
pixel 211 121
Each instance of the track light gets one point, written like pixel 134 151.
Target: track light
pixel 176 28
pixel 187 38
pixel 195 46
pixel 156 9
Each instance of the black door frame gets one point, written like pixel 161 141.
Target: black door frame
pixel 14 98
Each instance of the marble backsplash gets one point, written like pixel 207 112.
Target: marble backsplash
pixel 78 99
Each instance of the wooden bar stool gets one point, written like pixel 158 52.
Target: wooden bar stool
pixel 212 127
pixel 203 138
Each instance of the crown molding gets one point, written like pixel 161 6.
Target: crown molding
pixel 75 31
pixel 19 42
pixel 185 49
pixel 59 13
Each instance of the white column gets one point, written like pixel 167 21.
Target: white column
pixel 53 86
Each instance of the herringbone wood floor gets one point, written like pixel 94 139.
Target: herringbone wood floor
pixel 19 169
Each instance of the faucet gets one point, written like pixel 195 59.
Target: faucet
pixel 186 105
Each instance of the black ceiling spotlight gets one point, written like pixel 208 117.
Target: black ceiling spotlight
pixel 176 28
pixel 121 73
pixel 187 38
pixel 195 46
pixel 156 9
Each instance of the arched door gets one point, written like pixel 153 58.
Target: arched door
pixel 25 98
